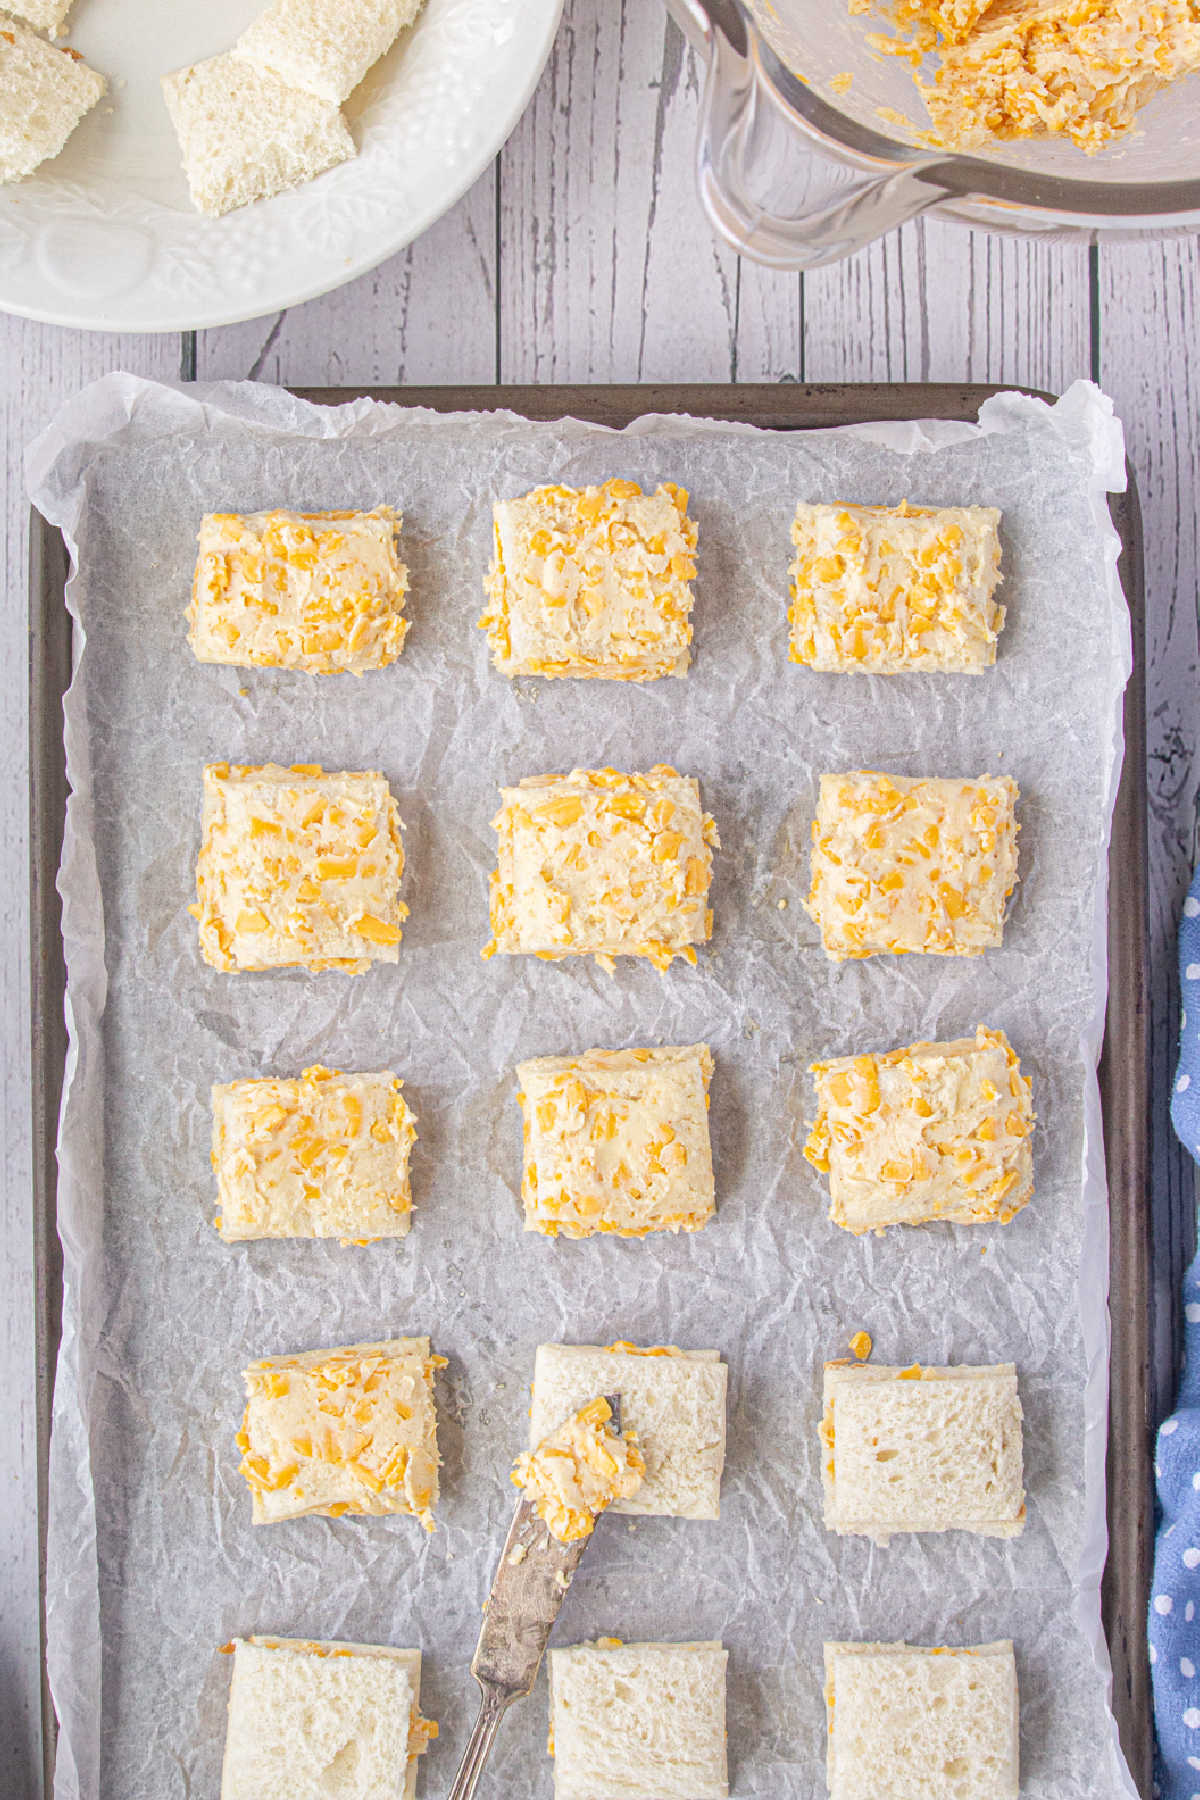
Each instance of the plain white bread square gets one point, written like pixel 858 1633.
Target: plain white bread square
pixel 47 15
pixel 922 1449
pixel 44 93
pixel 674 1400
pixel 938 1723
pixel 245 136
pixel 308 1718
pixel 638 1721
pixel 324 47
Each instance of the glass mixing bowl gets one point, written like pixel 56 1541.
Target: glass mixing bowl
pixel 797 169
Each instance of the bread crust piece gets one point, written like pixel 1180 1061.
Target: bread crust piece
pixel 350 1430
pixel 888 590
pixel 922 1449
pixel 941 1722
pixel 1071 68
pixel 295 1705
pixel 44 93
pixel 904 866
pixel 47 15
pixel 592 582
pixel 933 1131
pixel 322 592
pixel 673 1400
pixel 245 136
pixel 324 47
pixel 602 864
pixel 322 1156
pixel 298 868
pixel 638 1721
pixel 617 1141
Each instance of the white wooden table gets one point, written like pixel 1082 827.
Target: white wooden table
pixel 582 255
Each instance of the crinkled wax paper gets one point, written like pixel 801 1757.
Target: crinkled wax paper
pixel 154 1562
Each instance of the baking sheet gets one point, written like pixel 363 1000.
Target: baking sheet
pixel 173 1314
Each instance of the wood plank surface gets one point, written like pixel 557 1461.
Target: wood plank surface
pixel 1148 325
pixel 582 255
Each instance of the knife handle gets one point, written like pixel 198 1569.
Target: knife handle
pixel 492 1709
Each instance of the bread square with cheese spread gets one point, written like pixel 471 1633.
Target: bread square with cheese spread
pixel 298 868
pixel 602 864
pixel 673 1402
pixel 351 1430
pixel 592 582
pixel 301 1712
pixel 321 1156
pixel 323 592
pixel 643 1721
pixel 922 1449
pixel 883 590
pixel 937 1722
pixel 617 1141
pixel 923 865
pixel 932 1131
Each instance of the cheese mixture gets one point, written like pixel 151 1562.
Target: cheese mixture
pixel 298 867
pixel 912 865
pixel 1080 69
pixel 324 1156
pixel 316 591
pixel 603 864
pixel 886 589
pixel 592 582
pixel 578 1471
pixel 934 1131
pixel 342 1431
pixel 617 1141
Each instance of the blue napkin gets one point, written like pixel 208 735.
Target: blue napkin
pixel 1175 1594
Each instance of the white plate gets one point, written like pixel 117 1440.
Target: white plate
pixel 105 237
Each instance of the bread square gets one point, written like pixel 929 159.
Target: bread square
pixel 44 92
pixel 245 136
pixel 904 866
pixel 47 15
pixel 617 1141
pixel 304 1716
pixel 324 47
pixel 933 1131
pixel 298 868
pixel 885 589
pixel 351 1430
pixel 323 1156
pixel 645 1721
pixel 672 1400
pixel 317 591
pixel 938 1723
pixel 602 864
pixel 592 582
pixel 922 1449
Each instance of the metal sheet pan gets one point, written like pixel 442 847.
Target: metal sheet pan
pixel 1124 1071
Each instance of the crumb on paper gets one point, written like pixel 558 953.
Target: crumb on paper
pixel 861 1345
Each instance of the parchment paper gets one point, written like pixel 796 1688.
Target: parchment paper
pixel 153 1559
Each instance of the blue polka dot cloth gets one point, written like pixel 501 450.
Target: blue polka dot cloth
pixel 1175 1595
